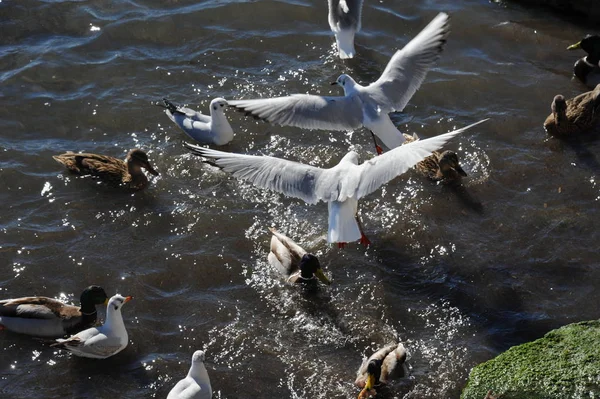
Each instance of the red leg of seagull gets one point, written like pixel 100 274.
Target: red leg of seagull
pixel 377 147
pixel 342 245
pixel 363 238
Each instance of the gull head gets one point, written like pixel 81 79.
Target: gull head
pixel 346 82
pixel 198 357
pixel 117 301
pixel 218 105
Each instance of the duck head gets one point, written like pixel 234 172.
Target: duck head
pixel 559 109
pixel 449 166
pixel 137 159
pixel 310 266
pixel 373 373
pixel 92 296
pixel 591 45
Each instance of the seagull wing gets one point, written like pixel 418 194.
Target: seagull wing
pixel 287 177
pixel 406 70
pixel 383 168
pixel 306 111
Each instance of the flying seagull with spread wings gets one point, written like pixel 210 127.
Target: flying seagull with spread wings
pixel 340 186
pixel 366 106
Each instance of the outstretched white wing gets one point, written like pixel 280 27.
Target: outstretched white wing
pixel 293 179
pixel 407 69
pixel 383 168
pixel 306 111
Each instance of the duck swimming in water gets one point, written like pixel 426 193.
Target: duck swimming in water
pixel 41 316
pixel 439 166
pixel 574 116
pixel 111 170
pixel 293 262
pixel 384 365
pixel 587 69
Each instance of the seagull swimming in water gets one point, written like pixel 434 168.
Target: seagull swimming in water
pixel 344 21
pixel 340 186
pixel 213 129
pixel 366 106
pixel 104 341
pixel 196 385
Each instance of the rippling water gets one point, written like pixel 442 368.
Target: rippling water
pixel 459 275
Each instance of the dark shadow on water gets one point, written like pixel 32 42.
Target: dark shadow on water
pixel 466 197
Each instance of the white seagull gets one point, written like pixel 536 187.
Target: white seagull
pixel 344 21
pixel 196 385
pixel 104 341
pixel 213 129
pixel 366 106
pixel 340 186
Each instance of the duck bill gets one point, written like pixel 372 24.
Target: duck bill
pixel 150 169
pixel 128 298
pixel 370 382
pixel 106 302
pixel 321 276
pixel 460 170
pixel 574 46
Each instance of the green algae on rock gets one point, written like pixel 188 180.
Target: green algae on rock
pixel 565 363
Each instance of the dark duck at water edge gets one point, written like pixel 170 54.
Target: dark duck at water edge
pixel 48 317
pixel 292 262
pixel 574 116
pixel 587 69
pixel 111 170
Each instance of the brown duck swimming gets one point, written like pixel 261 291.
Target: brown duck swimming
pixel 575 115
pixel 439 166
pixel 111 170
pixel 48 317
pixel 384 365
pixel 587 69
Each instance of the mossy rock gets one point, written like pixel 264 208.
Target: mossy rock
pixel 565 363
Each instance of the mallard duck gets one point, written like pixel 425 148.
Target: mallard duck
pixel 112 170
pixel 293 262
pixel 384 365
pixel 439 166
pixel 196 385
pixel 574 116
pixel 587 69
pixel 47 317
pixel 100 342
pixel 213 129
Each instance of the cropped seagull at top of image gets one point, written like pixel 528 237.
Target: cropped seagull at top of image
pixel 340 186
pixel 344 21
pixel 366 106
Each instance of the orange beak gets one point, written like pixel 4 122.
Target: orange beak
pixel 128 298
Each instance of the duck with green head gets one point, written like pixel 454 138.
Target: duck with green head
pixel 293 262
pixel 41 316
pixel 383 366
pixel 587 69
pixel 574 116
pixel 111 170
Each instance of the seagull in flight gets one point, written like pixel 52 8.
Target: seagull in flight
pixel 366 106
pixel 340 186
